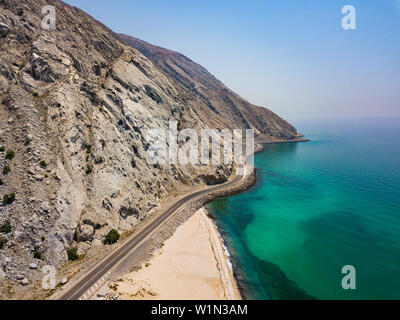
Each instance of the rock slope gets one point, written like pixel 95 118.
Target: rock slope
pixel 76 103
pixel 211 100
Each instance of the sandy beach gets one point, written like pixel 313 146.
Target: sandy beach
pixel 191 265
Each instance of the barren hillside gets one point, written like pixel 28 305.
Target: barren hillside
pixel 211 100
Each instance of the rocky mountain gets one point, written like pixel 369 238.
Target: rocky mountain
pixel 210 99
pixel 76 103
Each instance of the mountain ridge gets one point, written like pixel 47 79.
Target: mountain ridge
pixel 204 88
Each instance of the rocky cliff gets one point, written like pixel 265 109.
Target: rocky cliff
pixel 76 103
pixel 210 99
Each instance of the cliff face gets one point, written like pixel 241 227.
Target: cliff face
pixel 211 100
pixel 76 104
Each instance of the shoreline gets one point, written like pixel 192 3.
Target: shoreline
pixel 168 229
pixel 198 270
pixel 162 234
pixel 231 286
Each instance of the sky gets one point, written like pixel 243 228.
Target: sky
pixel 291 56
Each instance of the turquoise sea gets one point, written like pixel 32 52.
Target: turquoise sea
pixel 316 207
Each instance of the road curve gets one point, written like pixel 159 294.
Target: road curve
pixel 90 279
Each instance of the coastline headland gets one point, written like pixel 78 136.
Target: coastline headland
pixel 170 232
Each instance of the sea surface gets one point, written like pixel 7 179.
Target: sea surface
pixel 318 206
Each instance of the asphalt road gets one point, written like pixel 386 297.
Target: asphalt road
pixel 84 284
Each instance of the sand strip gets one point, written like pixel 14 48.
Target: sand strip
pixel 192 265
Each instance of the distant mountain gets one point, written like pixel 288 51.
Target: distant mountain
pixel 212 101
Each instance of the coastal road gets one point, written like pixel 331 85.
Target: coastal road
pixel 103 269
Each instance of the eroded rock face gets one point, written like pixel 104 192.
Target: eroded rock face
pixel 214 103
pixel 81 103
pixel 4 30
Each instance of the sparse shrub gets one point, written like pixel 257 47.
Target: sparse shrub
pixel 37 254
pixel 2 149
pixel 1 182
pixel 113 287
pixel 6 227
pixel 43 164
pixel 6 169
pixel 9 198
pixel 88 148
pixel 112 237
pixel 136 268
pixel 35 94
pixel 89 169
pixel 72 254
pixel 43 238
pixel 10 154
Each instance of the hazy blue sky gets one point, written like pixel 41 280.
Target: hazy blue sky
pixel 291 56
